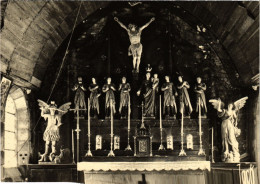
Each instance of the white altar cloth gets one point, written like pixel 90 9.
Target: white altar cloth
pixel 143 166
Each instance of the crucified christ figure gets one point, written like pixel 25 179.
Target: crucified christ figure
pixel 136 47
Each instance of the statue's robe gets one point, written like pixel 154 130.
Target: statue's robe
pixel 184 98
pixel 79 99
pixel 51 132
pixel 168 96
pixel 94 94
pixel 110 97
pixel 199 89
pixel 124 95
pixel 149 98
pixel 156 97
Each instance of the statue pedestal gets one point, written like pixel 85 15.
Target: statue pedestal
pixel 46 163
pixel 167 117
pixel 149 117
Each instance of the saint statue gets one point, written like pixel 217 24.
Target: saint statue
pixel 136 47
pixel 148 89
pixel 200 96
pixel 184 99
pixel 155 87
pixel 93 100
pixel 51 134
pixel 79 99
pixel 124 89
pixel 229 129
pixel 169 103
pixel 109 89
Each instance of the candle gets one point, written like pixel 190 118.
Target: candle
pixel 111 116
pixel 160 112
pixel 72 142
pixel 129 113
pixel 212 144
pixel 88 117
pixel 199 119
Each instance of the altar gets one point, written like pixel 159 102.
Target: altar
pixel 161 166
pixel 170 128
pixel 145 172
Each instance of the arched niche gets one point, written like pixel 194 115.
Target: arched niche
pixel 15 135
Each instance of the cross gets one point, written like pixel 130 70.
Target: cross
pixel 77 129
pixel 143 180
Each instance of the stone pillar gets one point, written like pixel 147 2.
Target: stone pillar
pixel 254 127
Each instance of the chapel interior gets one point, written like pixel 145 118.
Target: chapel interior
pixel 139 92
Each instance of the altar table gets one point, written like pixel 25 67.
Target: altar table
pixel 175 172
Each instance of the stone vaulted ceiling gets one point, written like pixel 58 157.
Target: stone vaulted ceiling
pixel 32 31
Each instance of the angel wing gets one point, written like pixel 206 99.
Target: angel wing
pixel 43 106
pixel 63 109
pixel 216 103
pixel 240 103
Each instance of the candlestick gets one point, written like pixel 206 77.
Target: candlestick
pixel 142 124
pixel 201 151
pixel 128 128
pixel 77 130
pixel 88 154
pixel 182 152
pixel 72 145
pixel 212 146
pixel 160 112
pixel 111 153
pixel 88 117
pixel 129 112
pixel 112 120
pixel 161 145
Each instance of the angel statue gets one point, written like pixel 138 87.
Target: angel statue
pixel 229 129
pixel 136 47
pixel 51 134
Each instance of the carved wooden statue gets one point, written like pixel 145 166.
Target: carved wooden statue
pixel 94 95
pixel 79 99
pixel 229 129
pixel 136 47
pixel 51 134
pixel 200 97
pixel 169 102
pixel 184 98
pixel 148 90
pixel 124 89
pixel 109 89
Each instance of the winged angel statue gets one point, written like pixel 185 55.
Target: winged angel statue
pixel 51 134
pixel 229 129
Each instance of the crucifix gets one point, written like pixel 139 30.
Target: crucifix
pixel 77 110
